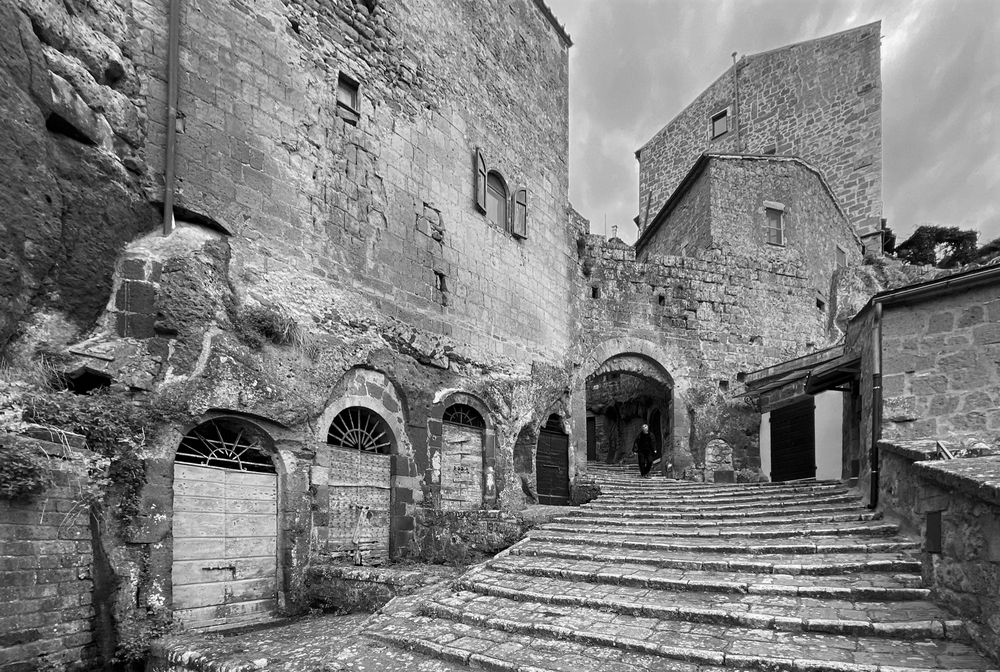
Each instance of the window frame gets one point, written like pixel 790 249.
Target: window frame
pixel 347 83
pixel 502 198
pixel 723 114
pixel 782 238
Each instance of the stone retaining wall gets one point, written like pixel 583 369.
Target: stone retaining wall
pixel 955 507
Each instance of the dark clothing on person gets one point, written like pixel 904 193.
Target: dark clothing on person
pixel 643 448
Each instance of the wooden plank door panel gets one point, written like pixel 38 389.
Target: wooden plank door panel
pixel 225 545
pixel 461 468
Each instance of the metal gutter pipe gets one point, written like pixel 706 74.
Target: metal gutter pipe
pixel 736 103
pixel 173 68
pixel 873 455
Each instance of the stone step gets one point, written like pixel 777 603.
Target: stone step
pixel 753 547
pixel 811 565
pixel 860 585
pixel 918 619
pixel 653 488
pixel 589 510
pixel 747 531
pixel 640 521
pixel 499 651
pixel 686 504
pixel 733 646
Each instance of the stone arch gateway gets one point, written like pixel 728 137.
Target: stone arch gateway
pixel 627 382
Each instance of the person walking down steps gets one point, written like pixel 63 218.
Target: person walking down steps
pixel 643 448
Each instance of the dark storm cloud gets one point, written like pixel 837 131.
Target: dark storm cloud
pixel 636 64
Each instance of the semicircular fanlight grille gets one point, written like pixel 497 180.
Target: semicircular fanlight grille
pixel 358 428
pixel 226 445
pixel 465 415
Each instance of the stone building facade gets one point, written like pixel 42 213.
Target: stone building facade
pixel 926 357
pixel 704 298
pixel 372 327
pixel 819 100
pixel 356 324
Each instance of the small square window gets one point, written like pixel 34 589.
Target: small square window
pixel 347 92
pixel 595 292
pixel 775 226
pixel 720 123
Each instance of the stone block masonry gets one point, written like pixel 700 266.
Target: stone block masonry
pixel 819 100
pixel 380 199
pixel 46 559
pixel 941 377
pixel 954 506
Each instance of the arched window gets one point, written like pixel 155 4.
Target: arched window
pixel 465 415
pixel 359 428
pixel 496 200
pixel 226 444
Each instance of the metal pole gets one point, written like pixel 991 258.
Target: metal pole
pixel 173 66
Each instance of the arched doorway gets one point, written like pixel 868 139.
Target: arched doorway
pixel 225 522
pixel 462 458
pixel 552 463
pixel 623 393
pixel 360 486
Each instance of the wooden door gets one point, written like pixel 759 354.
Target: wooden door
pixel 793 441
pixel 225 546
pixel 360 499
pixel 461 467
pixel 552 466
pixel 591 439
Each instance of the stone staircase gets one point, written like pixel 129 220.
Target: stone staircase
pixel 661 575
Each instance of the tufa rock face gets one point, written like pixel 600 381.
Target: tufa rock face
pixel 69 204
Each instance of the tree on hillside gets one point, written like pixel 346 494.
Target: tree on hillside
pixel 941 246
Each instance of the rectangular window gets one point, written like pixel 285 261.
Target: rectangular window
pixel 720 123
pixel 775 226
pixel 347 92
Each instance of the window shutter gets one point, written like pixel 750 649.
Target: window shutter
pixel 480 181
pixel 520 229
pixel 730 119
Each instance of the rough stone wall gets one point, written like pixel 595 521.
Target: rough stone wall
pixel 729 210
pixel 705 318
pixel 381 202
pixel 46 560
pixel 819 100
pixel 72 128
pixel 940 373
pixel 689 224
pixel 964 572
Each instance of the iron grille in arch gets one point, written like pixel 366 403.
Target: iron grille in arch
pixel 358 428
pixel 227 445
pixel 463 414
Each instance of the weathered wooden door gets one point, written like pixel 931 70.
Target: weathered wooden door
pixel 461 467
pixel 225 545
pixel 360 498
pixel 360 487
pixel 793 441
pixel 552 464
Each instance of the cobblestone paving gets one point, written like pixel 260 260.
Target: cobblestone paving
pixel 660 575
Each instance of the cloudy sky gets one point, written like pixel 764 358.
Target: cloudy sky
pixel 636 63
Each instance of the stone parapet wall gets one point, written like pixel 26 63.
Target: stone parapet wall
pixel 954 506
pixel 46 564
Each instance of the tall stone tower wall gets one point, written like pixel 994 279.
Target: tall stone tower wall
pixel 819 100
